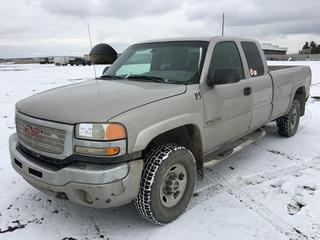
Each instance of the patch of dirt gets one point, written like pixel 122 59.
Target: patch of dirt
pixel 13 70
pixel 195 194
pixel 310 188
pixel 281 154
pixel 17 225
pixel 317 98
pixel 295 207
pixel 277 184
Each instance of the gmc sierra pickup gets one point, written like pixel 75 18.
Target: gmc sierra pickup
pixel 145 130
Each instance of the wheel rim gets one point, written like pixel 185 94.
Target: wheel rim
pixel 294 118
pixel 173 185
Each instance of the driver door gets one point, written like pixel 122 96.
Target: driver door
pixel 227 105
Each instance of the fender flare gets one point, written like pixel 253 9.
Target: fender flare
pixel 145 136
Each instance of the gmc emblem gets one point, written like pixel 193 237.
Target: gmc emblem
pixel 32 131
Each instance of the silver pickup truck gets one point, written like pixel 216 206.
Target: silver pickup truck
pixel 145 130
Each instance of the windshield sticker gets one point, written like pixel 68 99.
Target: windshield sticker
pixel 85 129
pixel 253 72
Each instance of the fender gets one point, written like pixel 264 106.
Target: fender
pixel 304 82
pixel 149 121
pixel 148 134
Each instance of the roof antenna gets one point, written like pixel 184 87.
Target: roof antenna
pixel 94 66
pixel 222 28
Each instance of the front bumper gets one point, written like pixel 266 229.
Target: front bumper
pixel 92 185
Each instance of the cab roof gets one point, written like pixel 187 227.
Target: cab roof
pixel 204 39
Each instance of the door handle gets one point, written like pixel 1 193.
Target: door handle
pixel 247 91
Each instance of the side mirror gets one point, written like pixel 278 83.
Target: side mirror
pixel 223 76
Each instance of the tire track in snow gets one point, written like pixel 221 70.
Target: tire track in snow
pixel 271 175
pixel 300 165
pixel 215 188
pixel 263 176
pixel 217 184
pixel 279 224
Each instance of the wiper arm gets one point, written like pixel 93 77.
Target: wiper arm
pixel 110 77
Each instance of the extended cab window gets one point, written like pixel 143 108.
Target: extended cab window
pixel 253 57
pixel 226 57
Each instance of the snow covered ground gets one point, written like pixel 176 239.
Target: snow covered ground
pixel 270 190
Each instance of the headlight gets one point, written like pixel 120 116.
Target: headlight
pixel 107 139
pixel 101 131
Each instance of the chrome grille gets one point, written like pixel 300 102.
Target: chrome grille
pixel 39 137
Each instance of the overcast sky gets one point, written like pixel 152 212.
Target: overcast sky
pixel 59 27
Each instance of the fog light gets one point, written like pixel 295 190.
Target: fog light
pixel 106 151
pixel 84 196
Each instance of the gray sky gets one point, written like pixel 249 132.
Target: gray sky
pixel 59 27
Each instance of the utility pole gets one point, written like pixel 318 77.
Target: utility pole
pixel 222 28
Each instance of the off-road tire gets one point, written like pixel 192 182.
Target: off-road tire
pixel 158 161
pixel 288 124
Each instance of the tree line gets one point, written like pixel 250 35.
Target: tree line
pixel 310 48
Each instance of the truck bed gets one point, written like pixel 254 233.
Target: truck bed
pixel 286 80
pixel 280 67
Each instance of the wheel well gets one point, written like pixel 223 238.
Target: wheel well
pixel 301 96
pixel 188 136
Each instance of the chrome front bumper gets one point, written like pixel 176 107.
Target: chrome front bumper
pixel 92 185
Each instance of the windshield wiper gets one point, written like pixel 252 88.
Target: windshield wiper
pixel 110 77
pixel 148 78
pixel 141 78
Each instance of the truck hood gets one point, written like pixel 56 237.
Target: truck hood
pixel 95 101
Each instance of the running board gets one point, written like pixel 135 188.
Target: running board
pixel 233 147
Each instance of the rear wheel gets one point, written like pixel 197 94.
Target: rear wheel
pixel 167 185
pixel 288 124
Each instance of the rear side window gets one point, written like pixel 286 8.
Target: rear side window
pixel 226 56
pixel 253 57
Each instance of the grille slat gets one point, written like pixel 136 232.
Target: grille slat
pixel 48 134
pixel 44 140
pixel 40 138
pixel 40 146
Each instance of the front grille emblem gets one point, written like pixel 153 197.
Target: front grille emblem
pixel 32 131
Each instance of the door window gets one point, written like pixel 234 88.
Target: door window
pixel 226 57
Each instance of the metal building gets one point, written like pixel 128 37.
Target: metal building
pixel 270 49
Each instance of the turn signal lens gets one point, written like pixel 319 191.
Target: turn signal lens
pixel 115 131
pixel 110 151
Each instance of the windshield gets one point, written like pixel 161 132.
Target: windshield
pixel 176 62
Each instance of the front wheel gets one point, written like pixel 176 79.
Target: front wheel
pixel 168 182
pixel 288 124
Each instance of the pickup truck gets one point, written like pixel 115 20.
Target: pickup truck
pixel 146 129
